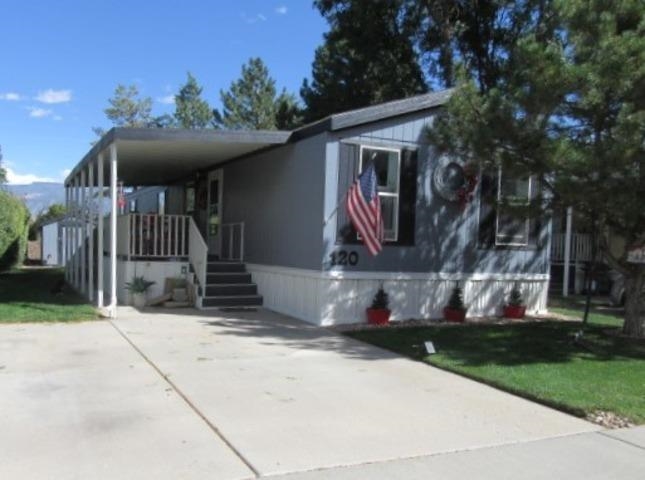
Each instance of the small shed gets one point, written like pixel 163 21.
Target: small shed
pixel 52 236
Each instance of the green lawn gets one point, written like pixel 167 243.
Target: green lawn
pixel 26 295
pixel 537 360
pixel 601 313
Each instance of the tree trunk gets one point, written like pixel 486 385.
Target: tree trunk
pixel 635 302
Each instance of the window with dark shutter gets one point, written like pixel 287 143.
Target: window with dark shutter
pixel 396 171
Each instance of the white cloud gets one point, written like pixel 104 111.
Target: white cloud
pixel 36 112
pixel 10 96
pixel 15 178
pixel 54 96
pixel 167 100
pixel 258 17
pixel 281 10
pixel 65 172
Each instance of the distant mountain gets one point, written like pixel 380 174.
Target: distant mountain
pixel 38 196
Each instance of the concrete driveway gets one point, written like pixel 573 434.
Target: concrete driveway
pixel 194 395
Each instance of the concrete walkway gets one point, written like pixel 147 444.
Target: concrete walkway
pixel 191 395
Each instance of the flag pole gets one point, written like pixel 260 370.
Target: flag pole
pixel 335 210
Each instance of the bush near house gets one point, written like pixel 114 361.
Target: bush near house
pixel 14 226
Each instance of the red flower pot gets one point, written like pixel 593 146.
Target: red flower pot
pixel 378 316
pixel 454 315
pixel 514 311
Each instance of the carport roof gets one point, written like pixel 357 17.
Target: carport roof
pixel 153 156
pixel 161 156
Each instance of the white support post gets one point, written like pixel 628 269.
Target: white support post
pixel 113 223
pixel 77 262
pixel 90 233
pixel 567 254
pixel 99 292
pixel 66 234
pixel 83 231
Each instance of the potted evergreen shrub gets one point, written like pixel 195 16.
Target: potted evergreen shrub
pixel 455 311
pixel 138 288
pixel 379 313
pixel 515 308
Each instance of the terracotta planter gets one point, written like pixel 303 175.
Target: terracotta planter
pixel 378 316
pixel 514 311
pixel 454 315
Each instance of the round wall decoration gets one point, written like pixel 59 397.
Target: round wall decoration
pixel 453 181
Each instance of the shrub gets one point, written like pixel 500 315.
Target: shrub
pixel 380 300
pixel 515 299
pixel 456 300
pixel 14 226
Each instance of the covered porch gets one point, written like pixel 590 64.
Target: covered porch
pixel 104 240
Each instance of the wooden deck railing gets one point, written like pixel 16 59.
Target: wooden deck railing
pixel 153 236
pixel 581 247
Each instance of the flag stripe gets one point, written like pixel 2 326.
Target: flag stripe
pixel 364 210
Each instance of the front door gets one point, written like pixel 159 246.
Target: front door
pixel 214 212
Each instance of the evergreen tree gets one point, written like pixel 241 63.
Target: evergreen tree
pixel 127 109
pixel 367 57
pixel 3 172
pixel 288 114
pixel 569 109
pixel 477 35
pixel 250 103
pixel 191 111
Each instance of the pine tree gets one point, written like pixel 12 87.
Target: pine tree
pixel 250 102
pixel 127 109
pixel 191 111
pixel 367 57
pixel 568 108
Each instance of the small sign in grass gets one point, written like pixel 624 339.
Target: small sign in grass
pixel 40 295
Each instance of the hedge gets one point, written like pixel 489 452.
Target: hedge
pixel 14 227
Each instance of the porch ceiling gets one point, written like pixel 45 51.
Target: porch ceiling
pixel 161 157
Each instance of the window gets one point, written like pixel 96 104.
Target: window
pixel 511 229
pixel 499 226
pixel 387 164
pixel 133 206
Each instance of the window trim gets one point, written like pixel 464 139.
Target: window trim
pixel 396 195
pixel 527 219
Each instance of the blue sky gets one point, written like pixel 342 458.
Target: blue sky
pixel 61 61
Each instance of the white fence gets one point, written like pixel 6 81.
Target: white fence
pixel 581 247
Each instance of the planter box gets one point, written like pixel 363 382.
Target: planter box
pixel 452 315
pixel 514 311
pixel 378 316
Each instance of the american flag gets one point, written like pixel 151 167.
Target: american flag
pixel 364 210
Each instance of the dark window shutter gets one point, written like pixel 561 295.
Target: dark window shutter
pixel 407 197
pixel 347 168
pixel 487 210
pixel 535 220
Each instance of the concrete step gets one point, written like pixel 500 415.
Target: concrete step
pixel 229 289
pixel 232 301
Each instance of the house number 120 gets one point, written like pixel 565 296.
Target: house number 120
pixel 342 258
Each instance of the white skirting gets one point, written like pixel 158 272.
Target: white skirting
pixel 330 298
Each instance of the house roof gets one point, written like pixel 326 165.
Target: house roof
pixel 361 116
pixel 153 156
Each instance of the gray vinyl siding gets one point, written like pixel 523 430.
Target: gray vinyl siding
pixel 278 194
pixel 445 238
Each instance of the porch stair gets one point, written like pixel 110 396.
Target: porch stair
pixel 229 285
